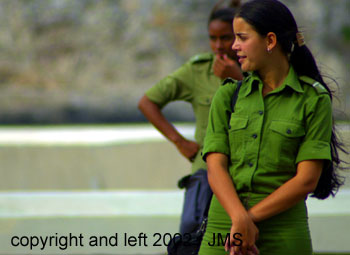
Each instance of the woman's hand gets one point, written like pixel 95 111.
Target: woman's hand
pixel 225 67
pixel 153 113
pixel 188 149
pixel 243 236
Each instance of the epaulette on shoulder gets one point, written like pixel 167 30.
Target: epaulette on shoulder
pixel 201 57
pixel 315 84
pixel 228 80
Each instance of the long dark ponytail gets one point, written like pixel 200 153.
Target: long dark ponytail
pixel 273 16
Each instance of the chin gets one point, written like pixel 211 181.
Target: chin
pixel 245 69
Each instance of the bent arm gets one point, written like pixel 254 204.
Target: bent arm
pixel 291 192
pixel 153 113
pixel 222 186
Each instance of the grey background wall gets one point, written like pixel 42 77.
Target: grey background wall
pixel 90 61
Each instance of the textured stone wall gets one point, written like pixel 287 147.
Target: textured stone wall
pixel 91 60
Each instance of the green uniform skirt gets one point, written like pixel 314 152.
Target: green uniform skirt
pixel 286 233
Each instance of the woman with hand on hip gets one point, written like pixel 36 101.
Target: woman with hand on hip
pixel 276 147
pixel 196 82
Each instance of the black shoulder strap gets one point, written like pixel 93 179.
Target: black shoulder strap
pixel 235 96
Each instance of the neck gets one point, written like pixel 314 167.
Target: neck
pixel 273 74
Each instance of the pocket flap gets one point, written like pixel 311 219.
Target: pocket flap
pixel 238 122
pixel 204 100
pixel 288 129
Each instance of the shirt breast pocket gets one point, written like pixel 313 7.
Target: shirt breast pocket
pixel 237 136
pixel 201 108
pixel 284 140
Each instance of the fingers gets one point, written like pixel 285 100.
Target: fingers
pixel 235 250
pixel 220 59
pixel 191 159
pixel 227 246
pixel 254 250
pixel 243 249
pixel 189 149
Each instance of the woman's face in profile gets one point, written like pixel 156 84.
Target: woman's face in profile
pixel 251 47
pixel 221 38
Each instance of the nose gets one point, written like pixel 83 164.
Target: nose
pixel 218 44
pixel 235 45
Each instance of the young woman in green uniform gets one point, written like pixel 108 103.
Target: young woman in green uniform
pixel 196 82
pixel 276 147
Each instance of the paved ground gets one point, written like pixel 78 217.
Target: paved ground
pixel 99 166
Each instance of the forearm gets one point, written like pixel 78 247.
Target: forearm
pixel 222 186
pixel 153 113
pixel 286 196
pixel 290 193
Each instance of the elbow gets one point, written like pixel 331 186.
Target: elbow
pixel 309 186
pixel 308 175
pixel 310 189
pixel 141 103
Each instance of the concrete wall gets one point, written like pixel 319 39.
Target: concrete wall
pixel 144 165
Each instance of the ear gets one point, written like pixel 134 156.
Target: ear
pixel 271 40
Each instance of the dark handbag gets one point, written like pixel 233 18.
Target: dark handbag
pixel 195 213
pixel 188 243
pixel 197 199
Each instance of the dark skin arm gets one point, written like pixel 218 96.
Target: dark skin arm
pixel 291 192
pixel 153 113
pixel 223 67
pixel 224 189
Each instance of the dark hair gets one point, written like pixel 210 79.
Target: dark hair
pixel 225 14
pixel 273 16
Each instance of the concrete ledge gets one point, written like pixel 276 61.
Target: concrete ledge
pixel 88 135
pixel 136 214
pixel 132 222
pixel 91 203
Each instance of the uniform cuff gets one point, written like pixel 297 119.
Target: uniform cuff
pixel 155 97
pixel 314 150
pixel 216 143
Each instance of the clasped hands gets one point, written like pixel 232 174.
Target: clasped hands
pixel 249 234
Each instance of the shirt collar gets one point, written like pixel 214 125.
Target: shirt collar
pixel 292 81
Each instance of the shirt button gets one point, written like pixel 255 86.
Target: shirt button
pixel 289 131
pixel 250 164
pixel 255 136
pixel 261 112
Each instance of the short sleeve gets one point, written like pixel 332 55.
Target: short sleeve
pixel 316 143
pixel 216 139
pixel 176 86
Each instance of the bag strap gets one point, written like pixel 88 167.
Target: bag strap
pixel 235 96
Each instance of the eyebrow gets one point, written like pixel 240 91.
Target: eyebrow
pixel 241 33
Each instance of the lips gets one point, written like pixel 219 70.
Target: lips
pixel 241 58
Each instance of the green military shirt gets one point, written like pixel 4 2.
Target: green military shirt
pixel 267 136
pixel 195 83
